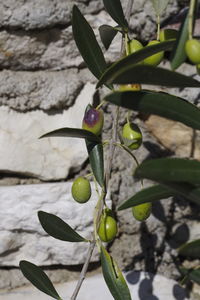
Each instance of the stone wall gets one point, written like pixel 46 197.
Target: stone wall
pixel 45 85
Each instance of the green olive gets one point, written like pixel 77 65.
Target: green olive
pixel 107 227
pixel 93 121
pixel 192 49
pixel 142 212
pixel 154 59
pixel 81 189
pixel 168 34
pixel 132 136
pixel 134 45
pixel 130 87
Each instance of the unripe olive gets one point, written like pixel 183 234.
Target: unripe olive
pixel 192 49
pixel 130 87
pixel 168 34
pixel 81 189
pixel 154 59
pixel 134 45
pixel 107 227
pixel 142 212
pixel 93 120
pixel 132 136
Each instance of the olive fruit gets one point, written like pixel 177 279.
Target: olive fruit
pixel 81 189
pixel 130 87
pixel 168 34
pixel 192 49
pixel 107 226
pixel 134 45
pixel 154 59
pixel 142 211
pixel 132 136
pixel 93 120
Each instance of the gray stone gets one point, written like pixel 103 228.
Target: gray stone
pixel 51 158
pixel 25 91
pixel 21 234
pixel 142 286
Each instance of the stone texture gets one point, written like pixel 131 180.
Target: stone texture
pixel 25 91
pixel 48 159
pixel 142 286
pixel 21 234
pixel 43 13
pixel 175 136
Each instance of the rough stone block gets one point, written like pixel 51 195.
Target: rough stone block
pixel 21 234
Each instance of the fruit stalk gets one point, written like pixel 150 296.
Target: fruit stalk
pixel 191 16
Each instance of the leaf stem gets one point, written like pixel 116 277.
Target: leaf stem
pixel 191 18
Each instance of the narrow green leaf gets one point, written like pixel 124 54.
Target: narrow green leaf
pixel 113 277
pixel 152 75
pixel 132 59
pixel 178 55
pixel 191 249
pixel 95 151
pixel 158 103
pixel 186 190
pixel 107 34
pixel 87 44
pixel 159 6
pixel 114 9
pixel 170 170
pixel 192 274
pixel 58 229
pixel 150 194
pixel 38 278
pixel 72 132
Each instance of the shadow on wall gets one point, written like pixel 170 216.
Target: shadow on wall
pixel 146 287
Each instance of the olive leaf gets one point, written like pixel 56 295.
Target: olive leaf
pixel 114 277
pixel 107 34
pixel 58 229
pixel 150 194
pixel 38 278
pixel 87 43
pixel 191 249
pixel 114 8
pixel 191 274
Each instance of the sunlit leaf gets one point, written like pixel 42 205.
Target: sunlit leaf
pixel 87 44
pixel 113 277
pixel 178 55
pixel 114 8
pixel 170 170
pixel 58 229
pixel 149 194
pixel 132 59
pixel 151 75
pixel 158 103
pixel 95 151
pixel 191 249
pixel 72 132
pixel 107 34
pixel 159 6
pixel 38 278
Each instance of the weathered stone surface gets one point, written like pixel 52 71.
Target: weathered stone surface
pixel 43 13
pixel 51 158
pixel 21 234
pixel 24 91
pixel 142 286
pixel 175 136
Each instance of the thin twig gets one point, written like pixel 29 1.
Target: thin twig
pixel 84 270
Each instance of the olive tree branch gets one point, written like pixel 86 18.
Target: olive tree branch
pixel 104 190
